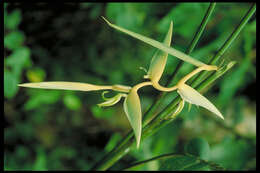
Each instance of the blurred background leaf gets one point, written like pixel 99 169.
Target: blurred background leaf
pixel 198 147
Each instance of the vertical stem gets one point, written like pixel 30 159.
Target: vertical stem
pixel 227 43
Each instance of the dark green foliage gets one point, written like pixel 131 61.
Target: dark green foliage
pixel 198 147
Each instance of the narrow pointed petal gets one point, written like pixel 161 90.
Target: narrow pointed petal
pixel 132 108
pixel 111 101
pixel 194 97
pixel 159 59
pixel 159 45
pixel 65 86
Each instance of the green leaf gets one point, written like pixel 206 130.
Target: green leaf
pixel 177 162
pixel 198 147
pixel 232 153
pixel 132 108
pixel 13 20
pixel 101 113
pixel 13 40
pixel 72 102
pixel 233 81
pixel 158 45
pixel 114 139
pixel 35 75
pixel 18 60
pixel 41 97
pixel 10 84
pixel 159 59
pixel 180 13
pixel 19 57
pixel 40 163
pixel 132 17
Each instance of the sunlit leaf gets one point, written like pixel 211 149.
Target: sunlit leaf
pixel 194 97
pixel 159 59
pixel 101 113
pixel 13 40
pixel 132 108
pixel 72 102
pixel 158 45
pixel 13 20
pixel 42 97
pixel 65 86
pixel 35 75
pixel 19 59
pixel 10 84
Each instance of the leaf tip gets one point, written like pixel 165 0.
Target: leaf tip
pixel 171 24
pixel 23 85
pixel 106 20
pixel 221 116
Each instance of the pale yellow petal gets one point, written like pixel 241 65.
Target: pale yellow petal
pixel 194 97
pixel 132 108
pixel 159 59
pixel 158 45
pixel 65 86
pixel 111 101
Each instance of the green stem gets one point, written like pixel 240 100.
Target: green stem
pixel 163 156
pixel 213 166
pixel 227 43
pixel 201 28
